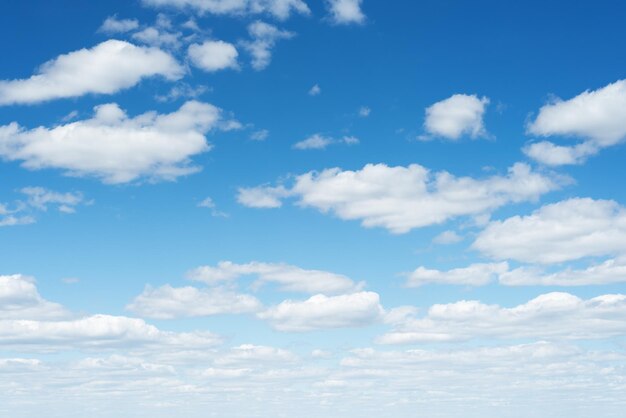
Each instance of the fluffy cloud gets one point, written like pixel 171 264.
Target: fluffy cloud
pixel 403 198
pixel 549 316
pixel 322 312
pixel 19 298
pixel 458 115
pixel 598 117
pixel 104 69
pixel 158 37
pixel 345 11
pixel 167 302
pixel 213 55
pixel 114 25
pixel 115 147
pixel 563 231
pixel 289 278
pixel 475 275
pixel 264 37
pixel 280 9
pixel 606 272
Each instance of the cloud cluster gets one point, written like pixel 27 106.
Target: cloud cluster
pixel 213 56
pixel 403 198
pixel 104 69
pixel 115 147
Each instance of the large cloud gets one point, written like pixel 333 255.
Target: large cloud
pixel 19 299
pixel 549 316
pixel 280 9
pixel 563 231
pixel 117 148
pixel 598 117
pixel 104 69
pixel 403 198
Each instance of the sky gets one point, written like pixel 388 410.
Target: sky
pixel 312 208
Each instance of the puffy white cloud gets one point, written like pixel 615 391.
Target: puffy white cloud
pixel 115 147
pixel 158 37
pixel 316 141
pixel 262 196
pixel 478 274
pixel 548 316
pixel 458 115
pixel 598 117
pixel 402 198
pixel 114 25
pixel 213 55
pixel 322 312
pixel 289 278
pixel 264 37
pixel 606 272
pixel 346 11
pixel 280 9
pixel 19 298
pixel 167 302
pixel 563 231
pixel 104 69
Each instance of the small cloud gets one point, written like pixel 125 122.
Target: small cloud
pixel 364 111
pixel 350 140
pixel 70 280
pixel 447 237
pixel 260 135
pixel 113 25
pixel 315 90
pixel 210 204
pixel 344 12
pixel 315 141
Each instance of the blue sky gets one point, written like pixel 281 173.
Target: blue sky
pixel 312 208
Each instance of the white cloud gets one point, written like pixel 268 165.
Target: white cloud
pixel 182 90
pixel 346 11
pixel 19 299
pixel 478 274
pixel 315 141
pixel 563 231
pixel 264 37
pixel 289 278
pixel 315 90
pixel 322 312
pixel 548 316
pixel 114 147
pixel 403 198
pixel 250 354
pixel 213 56
pixel 157 37
pixel 458 115
pixel 364 111
pixel 262 196
pixel 260 135
pixel 598 117
pixel 606 272
pixel 210 204
pixel 40 198
pixel 114 25
pixel 447 237
pixel 104 69
pixel 280 9
pixel 167 302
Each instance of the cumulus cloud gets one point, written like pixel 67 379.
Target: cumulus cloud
pixel 104 69
pixel 213 56
pixel 19 299
pixel 598 117
pixel 458 115
pixel 549 316
pixel 289 278
pixel 558 232
pixel 158 37
pixel 323 312
pixel 403 198
pixel 345 11
pixel 167 302
pixel 117 148
pixel 280 9
pixel 264 37
pixel 114 25
pixel 478 274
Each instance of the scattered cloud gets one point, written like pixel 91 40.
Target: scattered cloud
pixel 323 312
pixel 458 115
pixel 315 90
pixel 320 142
pixel 38 199
pixel 113 25
pixel 280 9
pixel 210 204
pixel 182 91
pixel 213 56
pixel 549 316
pixel 116 148
pixel 447 237
pixel 563 231
pixel 158 37
pixel 403 198
pixel 264 37
pixel 260 135
pixel 289 278
pixel 598 117
pixel 104 69
pixel 344 12
pixel 478 274
pixel 364 111
pixel 606 272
